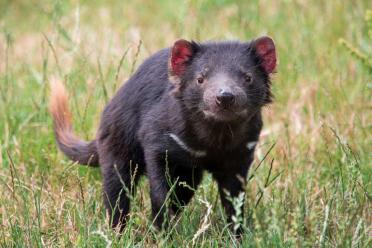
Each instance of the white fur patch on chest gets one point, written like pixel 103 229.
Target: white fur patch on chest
pixel 251 145
pixel 184 146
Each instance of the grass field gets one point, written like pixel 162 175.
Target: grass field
pixel 311 182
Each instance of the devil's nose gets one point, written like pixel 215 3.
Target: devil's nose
pixel 225 98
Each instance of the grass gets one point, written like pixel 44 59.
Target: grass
pixel 311 182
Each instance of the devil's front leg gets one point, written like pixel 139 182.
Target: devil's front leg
pixel 231 185
pixel 159 178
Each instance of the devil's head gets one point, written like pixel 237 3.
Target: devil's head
pixel 224 81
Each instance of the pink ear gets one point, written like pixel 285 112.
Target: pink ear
pixel 265 49
pixel 182 52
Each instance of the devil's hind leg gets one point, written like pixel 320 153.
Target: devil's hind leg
pixel 120 174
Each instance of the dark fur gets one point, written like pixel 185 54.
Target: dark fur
pixel 133 138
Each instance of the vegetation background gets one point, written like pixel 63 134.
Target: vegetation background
pixel 311 182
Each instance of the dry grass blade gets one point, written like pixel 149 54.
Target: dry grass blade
pixel 204 225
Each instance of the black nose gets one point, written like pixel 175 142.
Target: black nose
pixel 224 98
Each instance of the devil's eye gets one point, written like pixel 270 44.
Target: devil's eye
pixel 200 80
pixel 248 77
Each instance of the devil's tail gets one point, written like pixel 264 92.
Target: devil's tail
pixel 74 148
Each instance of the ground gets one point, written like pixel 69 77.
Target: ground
pixel 311 181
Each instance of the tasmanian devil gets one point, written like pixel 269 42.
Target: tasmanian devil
pixel 188 108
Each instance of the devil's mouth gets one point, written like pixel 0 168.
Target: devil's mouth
pixel 224 114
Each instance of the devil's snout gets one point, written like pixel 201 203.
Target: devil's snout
pixel 225 98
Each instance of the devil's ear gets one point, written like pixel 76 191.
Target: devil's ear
pixel 265 49
pixel 180 56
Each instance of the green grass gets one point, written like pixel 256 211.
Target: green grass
pixel 314 187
